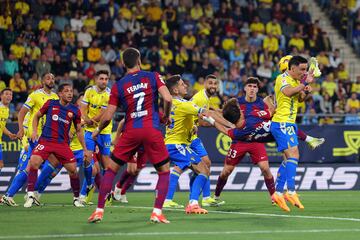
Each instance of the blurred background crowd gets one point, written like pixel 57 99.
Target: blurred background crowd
pixel 232 39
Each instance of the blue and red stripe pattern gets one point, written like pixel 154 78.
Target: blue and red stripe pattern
pixel 137 93
pixel 58 121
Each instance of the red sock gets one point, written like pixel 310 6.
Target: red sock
pixel 32 178
pixel 105 187
pixel 98 179
pixel 220 186
pixel 75 185
pixel 130 180
pixel 123 179
pixel 161 189
pixel 301 135
pixel 269 182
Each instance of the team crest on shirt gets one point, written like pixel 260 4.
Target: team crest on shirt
pixel 70 114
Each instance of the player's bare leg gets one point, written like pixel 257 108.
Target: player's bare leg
pixel 74 182
pixel 105 190
pixel 223 177
pixel 163 170
pixel 32 168
pixel 203 173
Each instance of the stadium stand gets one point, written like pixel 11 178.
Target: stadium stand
pixel 231 39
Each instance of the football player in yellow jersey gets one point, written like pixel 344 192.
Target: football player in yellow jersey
pixel 32 105
pixel 202 100
pixel 6 97
pixel 92 107
pixel 178 139
pixel 290 88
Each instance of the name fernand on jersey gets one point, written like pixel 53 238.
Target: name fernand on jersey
pixel 136 87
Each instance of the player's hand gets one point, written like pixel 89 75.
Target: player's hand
pixel 34 136
pixel 95 134
pixel 165 120
pixel 20 133
pixel 12 136
pixel 88 155
pixel 89 122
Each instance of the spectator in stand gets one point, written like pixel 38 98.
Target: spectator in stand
pixel 188 41
pixel 94 52
pixel 335 59
pixel 329 86
pixel 85 37
pixel 18 86
pixel 18 48
pixel 356 38
pixel 102 65
pixel 34 83
pixel 310 118
pixel 26 68
pixel 60 21
pixel 42 66
pixel 297 41
pixel 109 55
pixel 76 23
pixel 45 23
pixel 104 24
pixel 352 102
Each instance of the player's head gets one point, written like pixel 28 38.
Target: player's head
pixel 251 87
pixel 48 80
pixel 131 58
pixel 176 86
pixel 66 93
pixel 297 67
pixel 6 96
pixel 211 84
pixel 231 111
pixel 283 63
pixel 102 79
pixel 79 98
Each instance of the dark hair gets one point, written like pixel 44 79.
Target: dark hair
pixel 296 61
pixel 130 57
pixel 252 80
pixel 98 73
pixel 4 90
pixel 210 76
pixel 231 111
pixel 172 81
pixel 62 86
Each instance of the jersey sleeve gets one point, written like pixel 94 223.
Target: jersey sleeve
pixel 283 83
pixel 230 133
pixel 159 80
pixel 114 96
pixel 189 108
pixel 30 101
pixel 44 109
pixel 86 97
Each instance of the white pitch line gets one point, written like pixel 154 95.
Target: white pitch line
pixel 144 234
pixel 237 213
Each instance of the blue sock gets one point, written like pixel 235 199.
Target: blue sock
pixel 46 171
pixel 88 174
pixel 291 165
pixel 206 189
pixel 17 183
pixel 47 181
pixel 198 185
pixel 281 177
pixel 173 182
pixel 83 189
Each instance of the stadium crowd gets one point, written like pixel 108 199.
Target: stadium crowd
pixel 230 39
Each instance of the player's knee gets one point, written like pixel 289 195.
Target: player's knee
pixel 226 172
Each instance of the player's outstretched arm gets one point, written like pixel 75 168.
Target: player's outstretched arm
pixel 21 116
pixel 219 126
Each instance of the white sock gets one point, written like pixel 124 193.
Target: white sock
pixel 82 196
pixel 291 192
pixel 308 138
pixel 205 198
pixel 168 200
pixel 99 209
pixel 216 197
pixel 279 193
pixel 157 211
pixel 193 202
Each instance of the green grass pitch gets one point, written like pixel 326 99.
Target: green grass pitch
pixel 246 215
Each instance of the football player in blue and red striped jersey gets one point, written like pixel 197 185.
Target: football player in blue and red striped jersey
pixel 138 93
pixel 54 142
